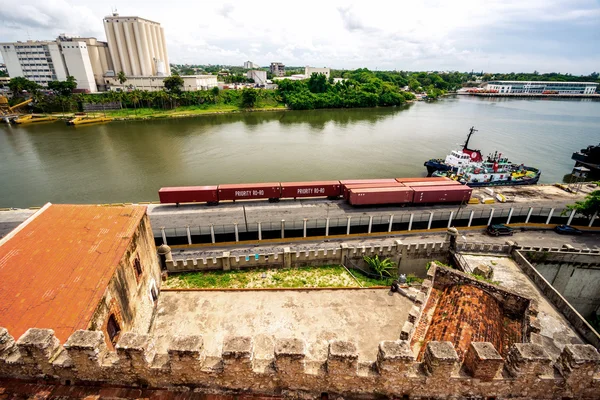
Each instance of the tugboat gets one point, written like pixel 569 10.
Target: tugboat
pixel 468 167
pixel 588 157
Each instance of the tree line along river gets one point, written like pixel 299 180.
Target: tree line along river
pixel 128 161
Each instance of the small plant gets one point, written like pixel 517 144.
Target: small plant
pixel 382 267
pixel 411 278
pixel 438 263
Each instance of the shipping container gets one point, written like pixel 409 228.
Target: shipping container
pixel 363 181
pixel 433 184
pixel 346 189
pixel 245 191
pixel 424 179
pixel 442 194
pixel 311 189
pixel 188 194
pixel 384 195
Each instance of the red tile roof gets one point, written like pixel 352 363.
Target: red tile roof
pixel 55 270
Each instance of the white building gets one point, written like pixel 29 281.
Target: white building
pixel 308 71
pixel 540 87
pixel 156 83
pixel 250 65
pixel 46 61
pixel 259 77
pixel 137 46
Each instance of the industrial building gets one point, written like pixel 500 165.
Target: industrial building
pixel 86 59
pixel 277 69
pixel 250 65
pixel 259 77
pixel 155 83
pixel 308 71
pixel 541 87
pixel 137 46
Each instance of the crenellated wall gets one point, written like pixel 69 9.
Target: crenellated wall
pixel 411 258
pixel 526 371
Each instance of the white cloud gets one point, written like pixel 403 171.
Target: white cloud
pixel 495 35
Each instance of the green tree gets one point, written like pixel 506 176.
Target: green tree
pixel 414 85
pixel 589 206
pixel 249 97
pixel 317 83
pixel 121 77
pixel 173 83
pixel 19 83
pixel 64 88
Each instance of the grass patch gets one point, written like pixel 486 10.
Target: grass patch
pixel 306 277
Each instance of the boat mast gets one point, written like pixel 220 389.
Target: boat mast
pixel 471 131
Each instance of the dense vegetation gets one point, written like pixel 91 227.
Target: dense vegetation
pixel 362 89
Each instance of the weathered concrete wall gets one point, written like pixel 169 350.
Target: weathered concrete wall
pixel 128 296
pixel 411 258
pixel 570 313
pixel 579 284
pixel 527 371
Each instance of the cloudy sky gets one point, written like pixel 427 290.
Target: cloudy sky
pixel 490 35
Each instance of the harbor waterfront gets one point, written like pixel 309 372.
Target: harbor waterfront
pixel 130 161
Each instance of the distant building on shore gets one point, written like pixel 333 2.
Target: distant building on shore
pixel 137 46
pixel 259 77
pixel 541 87
pixel 155 83
pixel 86 59
pixel 250 65
pixel 277 69
pixel 308 71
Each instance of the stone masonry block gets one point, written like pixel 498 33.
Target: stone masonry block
pixel 440 359
pixel 237 354
pixel 420 298
pixel 413 314
pixel 578 363
pixel 406 330
pixel 135 350
pixel 426 285
pixel 7 342
pixel 395 357
pixel 483 361
pixel 38 346
pixel 186 348
pixel 528 359
pixel 86 349
pixel 342 357
pixel 289 356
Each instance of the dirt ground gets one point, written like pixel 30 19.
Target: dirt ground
pixel 365 316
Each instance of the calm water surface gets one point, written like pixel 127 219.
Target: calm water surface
pixel 130 161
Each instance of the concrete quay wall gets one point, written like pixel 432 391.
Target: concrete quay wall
pixel 527 371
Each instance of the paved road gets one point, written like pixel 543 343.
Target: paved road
pixel 546 238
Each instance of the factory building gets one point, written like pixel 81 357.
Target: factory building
pixel 541 87
pixel 137 46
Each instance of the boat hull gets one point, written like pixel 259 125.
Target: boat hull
pixel 436 165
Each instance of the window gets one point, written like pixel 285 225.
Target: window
pixel 113 329
pixel 138 267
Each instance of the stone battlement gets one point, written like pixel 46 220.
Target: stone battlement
pixel 291 259
pixel 526 371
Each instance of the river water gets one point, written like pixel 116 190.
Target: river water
pixel 129 161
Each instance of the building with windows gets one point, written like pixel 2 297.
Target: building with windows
pixel 46 61
pixel 277 69
pixel 137 46
pixel 250 65
pixel 308 71
pixel 73 267
pixel 541 87
pixel 155 83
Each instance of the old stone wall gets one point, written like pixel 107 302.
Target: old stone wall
pixel 563 306
pixel 526 372
pixel 411 258
pixel 128 296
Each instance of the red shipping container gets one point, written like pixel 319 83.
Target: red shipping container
pixel 385 195
pixel 434 183
pixel 346 189
pixel 244 191
pixel 363 182
pixel 310 189
pixel 188 194
pixel 424 179
pixel 442 194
